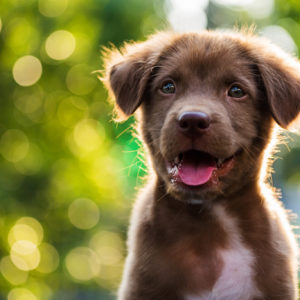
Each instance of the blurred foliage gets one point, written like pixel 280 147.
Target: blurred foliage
pixel 61 161
pixel 67 173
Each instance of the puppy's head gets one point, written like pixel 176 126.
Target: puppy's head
pixel 208 103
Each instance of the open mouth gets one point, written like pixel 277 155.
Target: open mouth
pixel 195 168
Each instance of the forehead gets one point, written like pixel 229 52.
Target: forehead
pixel 206 56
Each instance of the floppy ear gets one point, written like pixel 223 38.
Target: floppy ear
pixel 280 73
pixel 127 71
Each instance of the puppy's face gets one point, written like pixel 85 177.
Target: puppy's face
pixel 207 102
pixel 201 116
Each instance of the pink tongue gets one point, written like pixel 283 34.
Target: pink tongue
pixel 192 174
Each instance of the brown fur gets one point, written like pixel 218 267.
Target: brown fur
pixel 174 244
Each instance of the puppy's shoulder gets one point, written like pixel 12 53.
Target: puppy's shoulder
pixel 142 212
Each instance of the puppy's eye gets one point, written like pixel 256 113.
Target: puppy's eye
pixel 236 92
pixel 168 87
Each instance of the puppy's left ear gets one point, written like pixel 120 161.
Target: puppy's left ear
pixel 280 73
pixel 128 71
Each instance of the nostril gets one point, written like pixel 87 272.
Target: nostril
pixel 200 125
pixel 204 121
pixel 183 124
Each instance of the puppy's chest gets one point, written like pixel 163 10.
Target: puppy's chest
pixel 233 276
pixel 219 272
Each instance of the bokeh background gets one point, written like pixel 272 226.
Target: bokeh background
pixel 68 174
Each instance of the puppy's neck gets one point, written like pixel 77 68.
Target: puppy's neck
pixel 248 195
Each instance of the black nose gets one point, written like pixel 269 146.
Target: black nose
pixel 193 122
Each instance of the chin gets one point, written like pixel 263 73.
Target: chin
pixel 194 195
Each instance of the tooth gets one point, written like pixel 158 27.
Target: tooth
pixel 220 161
pixel 215 178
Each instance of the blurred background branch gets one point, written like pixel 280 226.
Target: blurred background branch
pixel 67 173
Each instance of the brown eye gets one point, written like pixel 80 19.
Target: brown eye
pixel 168 87
pixel 236 92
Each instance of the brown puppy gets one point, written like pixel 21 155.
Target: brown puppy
pixel 205 226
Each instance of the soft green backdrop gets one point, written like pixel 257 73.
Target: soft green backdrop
pixel 67 172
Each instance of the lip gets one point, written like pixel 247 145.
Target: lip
pixel 221 167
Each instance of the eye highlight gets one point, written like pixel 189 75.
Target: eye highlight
pixel 236 91
pixel 168 87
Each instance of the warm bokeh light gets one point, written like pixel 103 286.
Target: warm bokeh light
pixel 28 103
pixel 88 135
pixel 82 263
pixel 25 255
pixel 60 44
pixel 109 255
pixel 111 275
pixel 11 273
pixel 52 8
pixel 35 224
pixel 32 162
pixel 18 27
pixel 233 2
pixel 83 213
pixel 188 15
pixel 42 289
pixel 22 232
pixel 49 258
pixel 80 80
pixel 101 170
pixel 14 145
pixel 256 8
pixel 110 249
pixel 279 36
pixel 109 246
pixel 21 294
pixel 0 24
pixel 27 70
pixel 71 110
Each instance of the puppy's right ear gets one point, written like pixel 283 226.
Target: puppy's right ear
pixel 280 74
pixel 127 72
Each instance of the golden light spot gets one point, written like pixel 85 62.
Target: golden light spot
pixel 88 135
pixel 25 255
pixel 28 103
pixel 109 247
pixel 32 162
pixel 11 273
pixel 21 294
pixel 60 44
pixel 52 8
pixel 35 224
pixel 22 232
pixel 49 258
pixel 71 110
pixel 102 169
pixel 27 70
pixel 82 263
pixel 42 290
pixel 80 81
pixel 83 213
pixel 0 24
pixel 109 255
pixel 18 27
pixel 111 273
pixel 14 145
pixel 26 229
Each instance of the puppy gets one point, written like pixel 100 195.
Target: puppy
pixel 206 226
